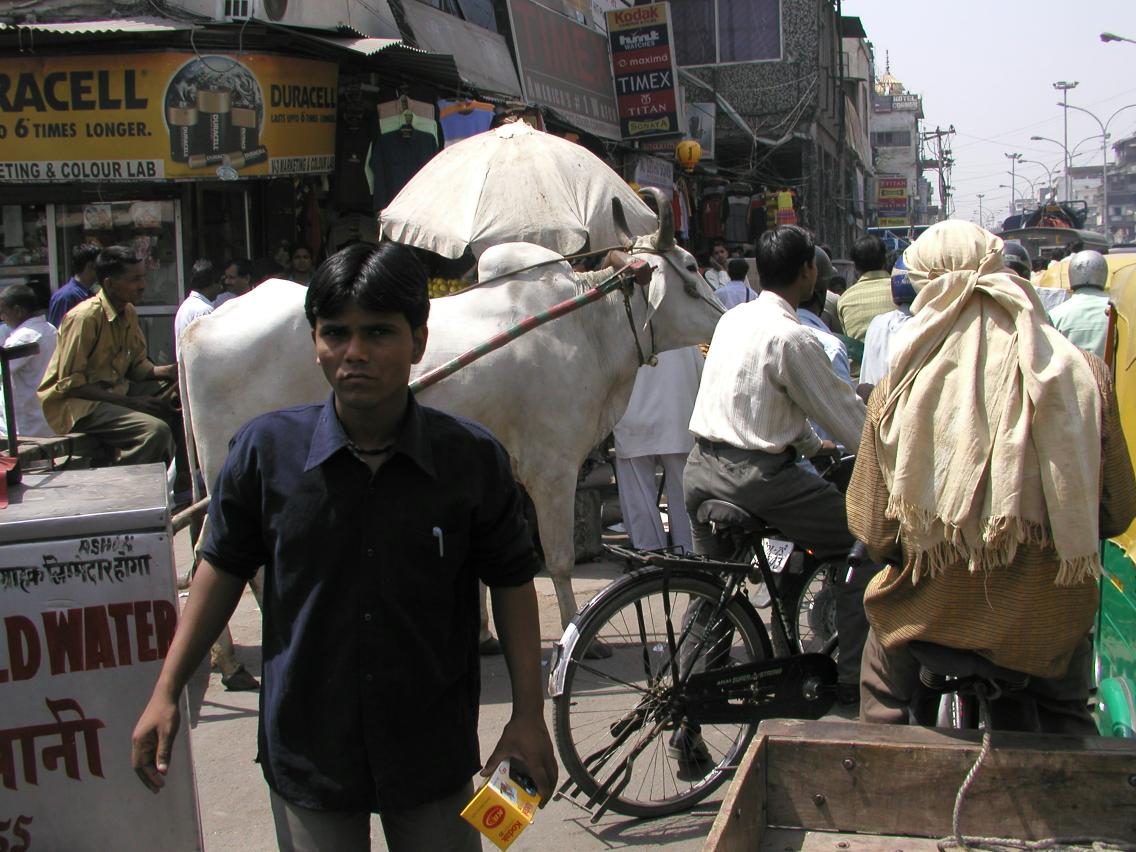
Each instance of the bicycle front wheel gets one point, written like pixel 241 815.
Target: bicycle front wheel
pixel 618 722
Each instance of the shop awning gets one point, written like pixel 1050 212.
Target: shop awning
pixel 481 56
pixel 394 57
pixel 110 26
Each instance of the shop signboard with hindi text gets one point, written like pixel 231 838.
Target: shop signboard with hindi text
pixel 643 66
pixel 86 619
pixel 165 116
pixel 565 66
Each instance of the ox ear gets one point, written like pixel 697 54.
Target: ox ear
pixel 655 293
pixel 619 219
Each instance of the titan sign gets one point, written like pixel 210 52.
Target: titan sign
pixel 159 116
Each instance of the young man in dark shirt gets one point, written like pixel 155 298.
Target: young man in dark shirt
pixel 375 518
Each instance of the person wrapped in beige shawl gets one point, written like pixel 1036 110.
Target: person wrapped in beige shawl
pixel 991 465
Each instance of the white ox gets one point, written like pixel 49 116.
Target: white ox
pixel 549 396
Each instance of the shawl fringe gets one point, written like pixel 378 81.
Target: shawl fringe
pixel 940 544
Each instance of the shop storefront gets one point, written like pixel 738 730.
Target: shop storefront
pixel 178 154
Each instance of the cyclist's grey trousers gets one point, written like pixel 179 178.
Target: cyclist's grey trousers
pixel 807 509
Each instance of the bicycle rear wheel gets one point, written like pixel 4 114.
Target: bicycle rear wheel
pixel 816 611
pixel 617 720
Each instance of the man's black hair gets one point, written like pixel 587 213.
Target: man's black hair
pixel 869 254
pixel 113 260
pixel 386 279
pixel 201 277
pixel 717 241
pixel 83 254
pixel 737 268
pixel 20 296
pixel 243 265
pixel 781 252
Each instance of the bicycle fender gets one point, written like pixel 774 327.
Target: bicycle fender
pixel 562 650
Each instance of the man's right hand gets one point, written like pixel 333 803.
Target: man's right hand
pixel 153 740
pixel 827 448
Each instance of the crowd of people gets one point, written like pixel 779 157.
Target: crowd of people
pixel 990 462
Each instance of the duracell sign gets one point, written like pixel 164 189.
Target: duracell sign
pixel 162 116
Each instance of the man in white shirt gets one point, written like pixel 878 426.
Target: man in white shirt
pixel 20 311
pixel 716 273
pixel 765 377
pixel 878 343
pixel 735 291
pixel 204 288
pixel 653 434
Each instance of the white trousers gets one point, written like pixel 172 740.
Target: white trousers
pixel 638 495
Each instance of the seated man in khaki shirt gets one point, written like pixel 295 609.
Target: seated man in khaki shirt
pixel 101 350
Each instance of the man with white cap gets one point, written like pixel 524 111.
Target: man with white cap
pixel 1083 317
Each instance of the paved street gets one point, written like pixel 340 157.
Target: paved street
pixel 234 798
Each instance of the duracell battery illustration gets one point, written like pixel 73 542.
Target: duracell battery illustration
pixel 214 112
pixel 182 120
pixel 214 108
pixel 236 159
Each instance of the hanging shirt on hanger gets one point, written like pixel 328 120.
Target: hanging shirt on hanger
pixel 462 119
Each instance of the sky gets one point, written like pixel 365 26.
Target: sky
pixel 988 68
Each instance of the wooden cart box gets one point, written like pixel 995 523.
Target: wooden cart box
pixel 851 786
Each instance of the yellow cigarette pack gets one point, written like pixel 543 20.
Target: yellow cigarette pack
pixel 504 807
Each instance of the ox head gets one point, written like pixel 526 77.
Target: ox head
pixel 691 309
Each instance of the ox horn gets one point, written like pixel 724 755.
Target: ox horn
pixel 619 220
pixel 664 238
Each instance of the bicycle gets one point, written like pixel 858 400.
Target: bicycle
pixel 660 681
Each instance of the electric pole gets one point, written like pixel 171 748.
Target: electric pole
pixel 1064 87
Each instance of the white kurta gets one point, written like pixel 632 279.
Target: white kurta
pixel 26 376
pixel 653 433
pixel 658 415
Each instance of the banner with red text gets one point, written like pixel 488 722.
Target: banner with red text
pixel 84 626
pixel 564 66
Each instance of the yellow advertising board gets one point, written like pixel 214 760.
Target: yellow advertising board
pixel 892 222
pixel 163 116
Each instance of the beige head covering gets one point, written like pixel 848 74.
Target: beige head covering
pixel 990 436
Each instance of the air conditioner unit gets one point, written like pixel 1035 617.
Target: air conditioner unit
pixel 313 14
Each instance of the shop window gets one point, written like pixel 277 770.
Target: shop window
pixel 23 247
pixel 709 32
pixel 146 226
pixel 150 228
pixel 892 139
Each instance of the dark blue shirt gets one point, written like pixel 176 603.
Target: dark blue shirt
pixel 64 299
pixel 371 671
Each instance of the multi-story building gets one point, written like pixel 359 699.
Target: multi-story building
pixel 789 107
pixel 901 195
pixel 1086 186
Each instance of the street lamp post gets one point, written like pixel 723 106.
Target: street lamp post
pixel 1107 37
pixel 1048 172
pixel 980 197
pixel 1105 223
pixel 1064 87
pixel 1013 158
pixel 1014 198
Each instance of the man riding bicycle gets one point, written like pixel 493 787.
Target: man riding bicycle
pixel 765 377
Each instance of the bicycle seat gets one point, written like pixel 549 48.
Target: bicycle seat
pixel 722 514
pixel 939 662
